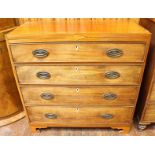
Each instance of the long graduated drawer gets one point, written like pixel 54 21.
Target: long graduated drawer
pixel 80 75
pixel 79 95
pixel 79 52
pixel 79 115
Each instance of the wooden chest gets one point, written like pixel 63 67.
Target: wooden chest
pixel 79 74
pixel 11 108
pixel 146 115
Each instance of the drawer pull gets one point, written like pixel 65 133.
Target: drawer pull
pixel 40 53
pixel 47 96
pixel 110 96
pixel 107 116
pixel 50 116
pixel 112 75
pixel 114 53
pixel 43 75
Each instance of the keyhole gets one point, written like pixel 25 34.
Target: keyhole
pixel 76 68
pixel 77 109
pixel 77 90
pixel 77 47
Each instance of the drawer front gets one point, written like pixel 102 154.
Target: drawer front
pixel 84 52
pixel 149 115
pixel 92 95
pixel 58 115
pixel 152 96
pixel 79 75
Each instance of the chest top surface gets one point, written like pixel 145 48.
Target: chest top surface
pixel 79 30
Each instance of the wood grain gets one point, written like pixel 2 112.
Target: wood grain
pixel 9 99
pixel 152 95
pixel 79 95
pixel 149 115
pixel 11 119
pixel 11 108
pixel 6 23
pixel 80 75
pixel 69 70
pixel 24 20
pixel 78 31
pixel 78 52
pixel 146 100
pixel 77 116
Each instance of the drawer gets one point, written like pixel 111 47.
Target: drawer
pixel 79 75
pixel 80 52
pixel 92 115
pixel 70 95
pixel 152 96
pixel 149 115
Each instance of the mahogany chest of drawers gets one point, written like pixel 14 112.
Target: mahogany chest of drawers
pixel 79 74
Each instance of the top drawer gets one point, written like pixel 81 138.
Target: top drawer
pixel 80 52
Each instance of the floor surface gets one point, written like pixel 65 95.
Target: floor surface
pixel 21 128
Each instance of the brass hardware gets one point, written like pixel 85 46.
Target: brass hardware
pixel 47 96
pixel 114 53
pixel 107 116
pixel 50 116
pixel 43 75
pixel 40 53
pixel 112 75
pixel 109 96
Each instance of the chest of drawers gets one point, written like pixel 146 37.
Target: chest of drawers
pixel 79 74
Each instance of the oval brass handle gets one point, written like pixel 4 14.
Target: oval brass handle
pixel 43 75
pixel 114 53
pixel 112 75
pixel 107 116
pixel 47 96
pixel 109 96
pixel 40 53
pixel 51 116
